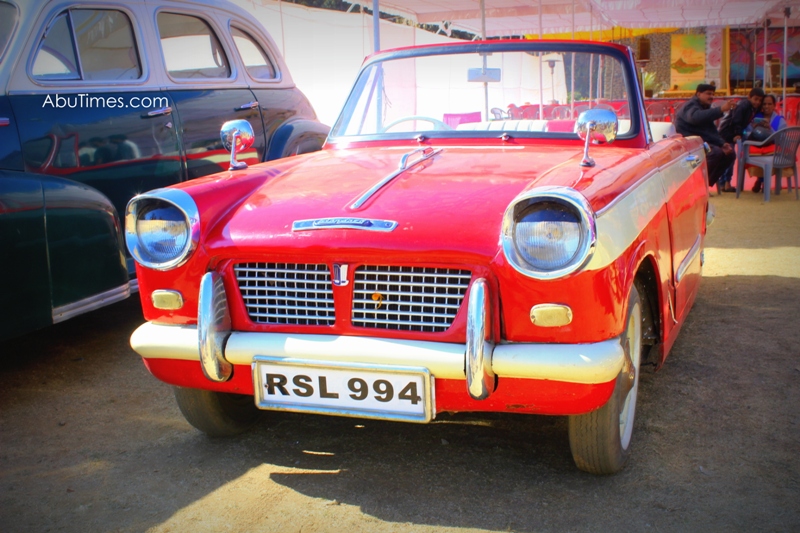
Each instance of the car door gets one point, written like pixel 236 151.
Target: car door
pixel 207 89
pixel 88 108
pixel 24 303
pixel 680 164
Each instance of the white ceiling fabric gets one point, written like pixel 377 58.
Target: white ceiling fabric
pixel 517 17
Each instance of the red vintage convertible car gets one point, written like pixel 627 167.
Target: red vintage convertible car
pixel 435 256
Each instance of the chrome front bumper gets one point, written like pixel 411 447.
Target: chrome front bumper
pixel 478 361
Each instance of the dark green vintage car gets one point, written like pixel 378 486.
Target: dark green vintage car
pixel 102 100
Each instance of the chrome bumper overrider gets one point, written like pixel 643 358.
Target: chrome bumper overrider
pixel 478 360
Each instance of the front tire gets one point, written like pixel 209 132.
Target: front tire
pixel 600 440
pixel 217 414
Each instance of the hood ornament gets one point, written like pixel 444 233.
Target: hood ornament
pixel 427 153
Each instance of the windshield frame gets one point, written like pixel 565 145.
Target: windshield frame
pixel 622 54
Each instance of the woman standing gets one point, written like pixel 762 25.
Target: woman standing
pixel 770 118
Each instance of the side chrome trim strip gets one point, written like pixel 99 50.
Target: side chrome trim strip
pixel 213 327
pixel 427 153
pixel 91 303
pixel 588 364
pixel 619 223
pixel 480 377
pixel 688 260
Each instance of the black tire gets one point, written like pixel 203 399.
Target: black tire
pixel 217 414
pixel 600 441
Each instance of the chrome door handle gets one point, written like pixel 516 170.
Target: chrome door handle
pixel 158 112
pixel 248 105
pixel 693 160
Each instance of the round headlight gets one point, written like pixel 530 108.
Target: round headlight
pixel 161 228
pixel 163 231
pixel 548 232
pixel 548 235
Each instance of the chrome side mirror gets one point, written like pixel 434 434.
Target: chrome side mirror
pixel 597 126
pixel 237 136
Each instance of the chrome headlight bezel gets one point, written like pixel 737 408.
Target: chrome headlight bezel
pixel 184 203
pixel 567 197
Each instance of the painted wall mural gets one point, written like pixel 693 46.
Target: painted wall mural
pixel 687 61
pixel 747 56
pixel 714 41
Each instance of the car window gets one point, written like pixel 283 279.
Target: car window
pixel 106 48
pixel 190 48
pixel 106 45
pixel 8 18
pixel 255 59
pixel 55 58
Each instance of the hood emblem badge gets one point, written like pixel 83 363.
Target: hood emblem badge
pixel 340 275
pixel 369 224
pixel 378 298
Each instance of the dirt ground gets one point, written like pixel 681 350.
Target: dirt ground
pixel 89 441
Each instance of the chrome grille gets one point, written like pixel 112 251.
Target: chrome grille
pixel 407 298
pixel 286 293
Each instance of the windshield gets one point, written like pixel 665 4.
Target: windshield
pixel 467 94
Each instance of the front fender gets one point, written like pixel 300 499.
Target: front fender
pixel 297 137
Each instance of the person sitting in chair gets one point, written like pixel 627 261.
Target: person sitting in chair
pixel 697 117
pixel 733 126
pixel 769 118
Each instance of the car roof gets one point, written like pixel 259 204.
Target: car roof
pixel 28 22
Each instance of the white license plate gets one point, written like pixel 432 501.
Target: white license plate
pixel 349 389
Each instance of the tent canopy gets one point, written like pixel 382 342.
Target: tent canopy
pixel 519 17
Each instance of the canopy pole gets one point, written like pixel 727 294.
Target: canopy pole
pixel 764 56
pixel 483 20
pixel 376 26
pixel 485 84
pixel 541 85
pixel 755 54
pixel 573 21
pixel 572 70
pixel 786 13
pixel 572 88
pixel 376 46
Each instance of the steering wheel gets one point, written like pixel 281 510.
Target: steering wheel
pixel 438 125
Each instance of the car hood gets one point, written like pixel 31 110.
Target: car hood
pixel 452 201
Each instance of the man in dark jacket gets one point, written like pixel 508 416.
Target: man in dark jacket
pixel 697 117
pixel 732 127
